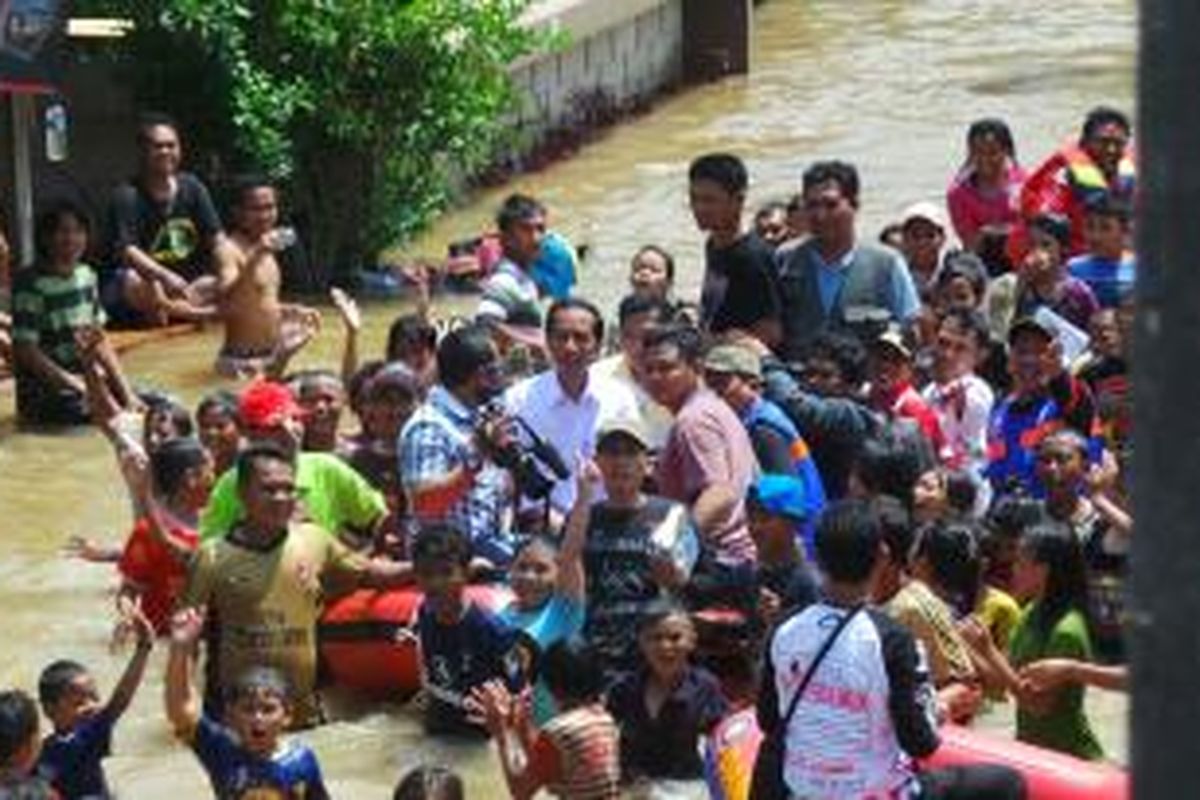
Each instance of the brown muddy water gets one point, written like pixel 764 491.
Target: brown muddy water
pixel 887 84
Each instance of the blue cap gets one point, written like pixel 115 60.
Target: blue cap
pixel 782 495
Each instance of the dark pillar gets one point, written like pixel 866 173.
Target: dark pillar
pixel 1166 554
pixel 716 39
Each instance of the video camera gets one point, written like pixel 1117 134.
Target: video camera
pixel 514 445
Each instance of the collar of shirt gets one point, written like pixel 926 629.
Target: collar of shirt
pixel 451 407
pixel 838 265
pixel 545 391
pixel 513 270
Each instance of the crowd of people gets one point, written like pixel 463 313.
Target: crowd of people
pixel 869 485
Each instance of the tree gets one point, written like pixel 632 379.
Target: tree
pixel 369 111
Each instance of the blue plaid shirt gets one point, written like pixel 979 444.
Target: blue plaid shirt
pixel 438 439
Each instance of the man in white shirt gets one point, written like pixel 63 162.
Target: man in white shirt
pixel 636 315
pixel 565 406
pixel 960 398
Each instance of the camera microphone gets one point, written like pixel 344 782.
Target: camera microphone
pixel 544 451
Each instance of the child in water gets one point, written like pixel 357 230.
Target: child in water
pixel 19 749
pixel 1051 577
pixel 217 427
pixel 575 754
pixel 462 645
pixel 665 707
pixel 548 586
pixel 243 755
pixel 429 783
pixel 153 565
pixel 71 755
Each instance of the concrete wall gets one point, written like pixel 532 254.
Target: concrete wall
pixel 617 51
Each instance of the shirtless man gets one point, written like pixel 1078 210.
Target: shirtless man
pixel 261 333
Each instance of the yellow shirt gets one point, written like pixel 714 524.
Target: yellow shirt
pixel 999 613
pixel 265 606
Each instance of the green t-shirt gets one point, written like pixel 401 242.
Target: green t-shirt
pixel 1065 728
pixel 49 308
pixel 332 494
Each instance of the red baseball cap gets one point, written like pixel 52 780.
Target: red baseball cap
pixel 265 404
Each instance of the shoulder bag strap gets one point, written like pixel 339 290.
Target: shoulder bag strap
pixel 812 668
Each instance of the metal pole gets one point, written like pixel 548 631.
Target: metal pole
pixel 1166 551
pixel 22 127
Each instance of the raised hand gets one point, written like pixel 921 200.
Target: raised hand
pixel 347 308
pixel 186 627
pixel 133 624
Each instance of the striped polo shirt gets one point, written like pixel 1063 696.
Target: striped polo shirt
pixel 48 308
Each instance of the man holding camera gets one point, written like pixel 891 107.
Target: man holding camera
pixel 565 406
pixel 445 447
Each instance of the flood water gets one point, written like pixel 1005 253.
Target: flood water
pixel 887 84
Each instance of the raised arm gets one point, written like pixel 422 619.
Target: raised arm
pixel 351 317
pixel 571 579
pixel 182 699
pixel 131 679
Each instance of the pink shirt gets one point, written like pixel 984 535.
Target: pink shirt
pixel 971 208
pixel 709 445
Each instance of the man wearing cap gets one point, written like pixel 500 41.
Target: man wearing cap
pixel 1045 398
pixel 565 405
pixel 892 393
pixel 735 373
pixel 708 462
pixel 923 232
pixel 781 522
pixel 331 493
pixel 444 463
pixel 834 280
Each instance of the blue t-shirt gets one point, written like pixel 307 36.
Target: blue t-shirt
pixel 559 618
pixel 1111 281
pixel 1016 428
pixel 292 773
pixel 71 761
pixel 554 270
pixel 457 658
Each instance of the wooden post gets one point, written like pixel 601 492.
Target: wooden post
pixel 22 152
pixel 1166 547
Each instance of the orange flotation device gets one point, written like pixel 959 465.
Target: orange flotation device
pixel 733 746
pixel 368 639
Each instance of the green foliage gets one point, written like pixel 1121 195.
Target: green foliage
pixel 368 109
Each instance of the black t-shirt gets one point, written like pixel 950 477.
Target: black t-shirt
pixel 620 582
pixel 665 746
pixel 740 288
pixel 793 583
pixel 177 234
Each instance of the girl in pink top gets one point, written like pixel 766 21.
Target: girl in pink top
pixel 982 197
